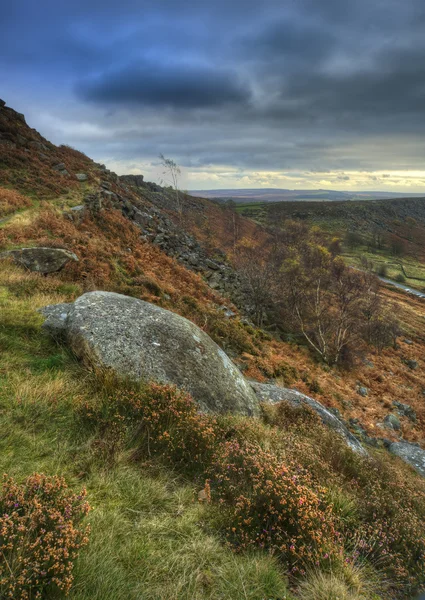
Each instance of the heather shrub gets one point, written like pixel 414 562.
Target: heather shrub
pixel 273 505
pixel 157 421
pixel 40 536
pixel 378 505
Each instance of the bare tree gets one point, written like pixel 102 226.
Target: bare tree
pixel 171 175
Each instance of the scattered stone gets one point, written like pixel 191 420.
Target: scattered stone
pixel 405 410
pixel 412 364
pixel 229 314
pixel 81 176
pixel 93 203
pixel 368 363
pixel 41 260
pixel 406 341
pixel 392 422
pixel 362 391
pixel 59 167
pixel 211 264
pixel 38 145
pixel 143 342
pixel 78 208
pixel 412 454
pixel 274 394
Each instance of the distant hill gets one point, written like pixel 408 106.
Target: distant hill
pixel 283 195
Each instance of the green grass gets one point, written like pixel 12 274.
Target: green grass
pixel 412 270
pixel 149 539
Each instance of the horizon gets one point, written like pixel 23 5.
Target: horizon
pixel 277 189
pixel 308 95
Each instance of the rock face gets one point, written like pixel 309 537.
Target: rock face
pixel 275 394
pixel 411 454
pixel 41 260
pixel 143 342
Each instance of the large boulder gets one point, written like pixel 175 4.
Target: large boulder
pixel 274 394
pixel 412 454
pixel 143 342
pixel 41 260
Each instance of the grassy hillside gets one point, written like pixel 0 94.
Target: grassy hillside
pixel 221 507
pixel 389 234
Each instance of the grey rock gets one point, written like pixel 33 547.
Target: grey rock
pixel 193 260
pixel 78 208
pixel 409 342
pixel 59 167
pixel 38 145
pixel 412 364
pixel 412 454
pixel 41 260
pixel 211 264
pixel 392 422
pixel 108 193
pixel 275 394
pixel 405 410
pixel 159 239
pixel 56 321
pixel 81 176
pixel 2 103
pixel 136 180
pixel 362 391
pixel 143 342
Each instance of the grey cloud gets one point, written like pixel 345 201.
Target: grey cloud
pixel 171 85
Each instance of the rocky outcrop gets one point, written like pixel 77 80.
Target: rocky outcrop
pixel 41 260
pixel 143 342
pixel 156 227
pixel 412 454
pixel 274 394
pixel 136 180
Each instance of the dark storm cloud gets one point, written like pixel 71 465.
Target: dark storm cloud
pixel 305 84
pixel 159 84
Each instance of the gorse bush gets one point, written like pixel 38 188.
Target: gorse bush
pixel 273 506
pixel 40 536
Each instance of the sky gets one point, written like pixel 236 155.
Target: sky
pixel 297 94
